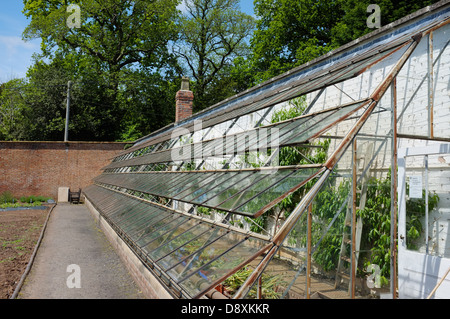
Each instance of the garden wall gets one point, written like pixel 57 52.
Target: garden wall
pixel 39 168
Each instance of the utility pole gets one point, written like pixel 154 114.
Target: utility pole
pixel 66 132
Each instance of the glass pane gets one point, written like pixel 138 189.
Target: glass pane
pixel 131 209
pixel 198 186
pixel 146 228
pixel 203 251
pixel 234 189
pixel 254 204
pixel 160 228
pixel 142 212
pixel 260 186
pixel 297 128
pixel 191 183
pixel 219 187
pixel 165 181
pixel 320 123
pixel 179 256
pixel 202 279
pixel 178 181
pixel 203 188
pixel 167 233
pixel 185 233
pixel 135 225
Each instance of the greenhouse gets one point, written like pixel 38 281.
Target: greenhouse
pixel 287 190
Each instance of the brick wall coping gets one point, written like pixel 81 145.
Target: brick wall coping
pixel 62 142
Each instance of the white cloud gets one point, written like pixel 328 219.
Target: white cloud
pixel 15 43
pixel 15 56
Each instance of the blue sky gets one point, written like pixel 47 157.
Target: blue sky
pixel 16 54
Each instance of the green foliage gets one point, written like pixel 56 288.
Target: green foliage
pixel 33 199
pixel 289 33
pixel 8 200
pixel 352 23
pixel 203 210
pixel 297 155
pixel 7 197
pixel 292 32
pixel 212 34
pixel 376 215
pixel 415 211
pixel 119 64
pixel 269 284
pixel 326 204
pixel 13 107
pixel 377 222
pixel 117 33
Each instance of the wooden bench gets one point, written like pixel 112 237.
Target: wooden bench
pixel 74 197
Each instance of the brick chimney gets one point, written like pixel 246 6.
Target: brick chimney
pixel 184 100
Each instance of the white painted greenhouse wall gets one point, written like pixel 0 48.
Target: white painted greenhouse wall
pixel 419 272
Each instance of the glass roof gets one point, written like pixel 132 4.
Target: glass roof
pixel 290 132
pixel 195 253
pixel 307 81
pixel 248 192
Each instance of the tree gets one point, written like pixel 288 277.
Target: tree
pixel 353 23
pixel 46 97
pixel 12 108
pixel 118 33
pixel 290 33
pixel 150 100
pixel 212 34
pixel 115 37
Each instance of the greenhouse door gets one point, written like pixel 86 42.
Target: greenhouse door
pixel 424 221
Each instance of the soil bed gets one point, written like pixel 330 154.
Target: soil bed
pixel 19 233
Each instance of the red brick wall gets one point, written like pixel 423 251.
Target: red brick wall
pixel 39 168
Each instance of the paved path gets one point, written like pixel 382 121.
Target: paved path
pixel 76 261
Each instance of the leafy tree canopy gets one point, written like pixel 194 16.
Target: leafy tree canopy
pixel 212 33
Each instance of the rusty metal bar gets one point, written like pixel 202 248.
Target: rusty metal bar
pixel 438 26
pixel 245 288
pixel 353 225
pixel 430 85
pixel 421 137
pixel 309 253
pixel 281 235
pixel 374 98
pixel 394 194
pixel 235 269
pixel 259 291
